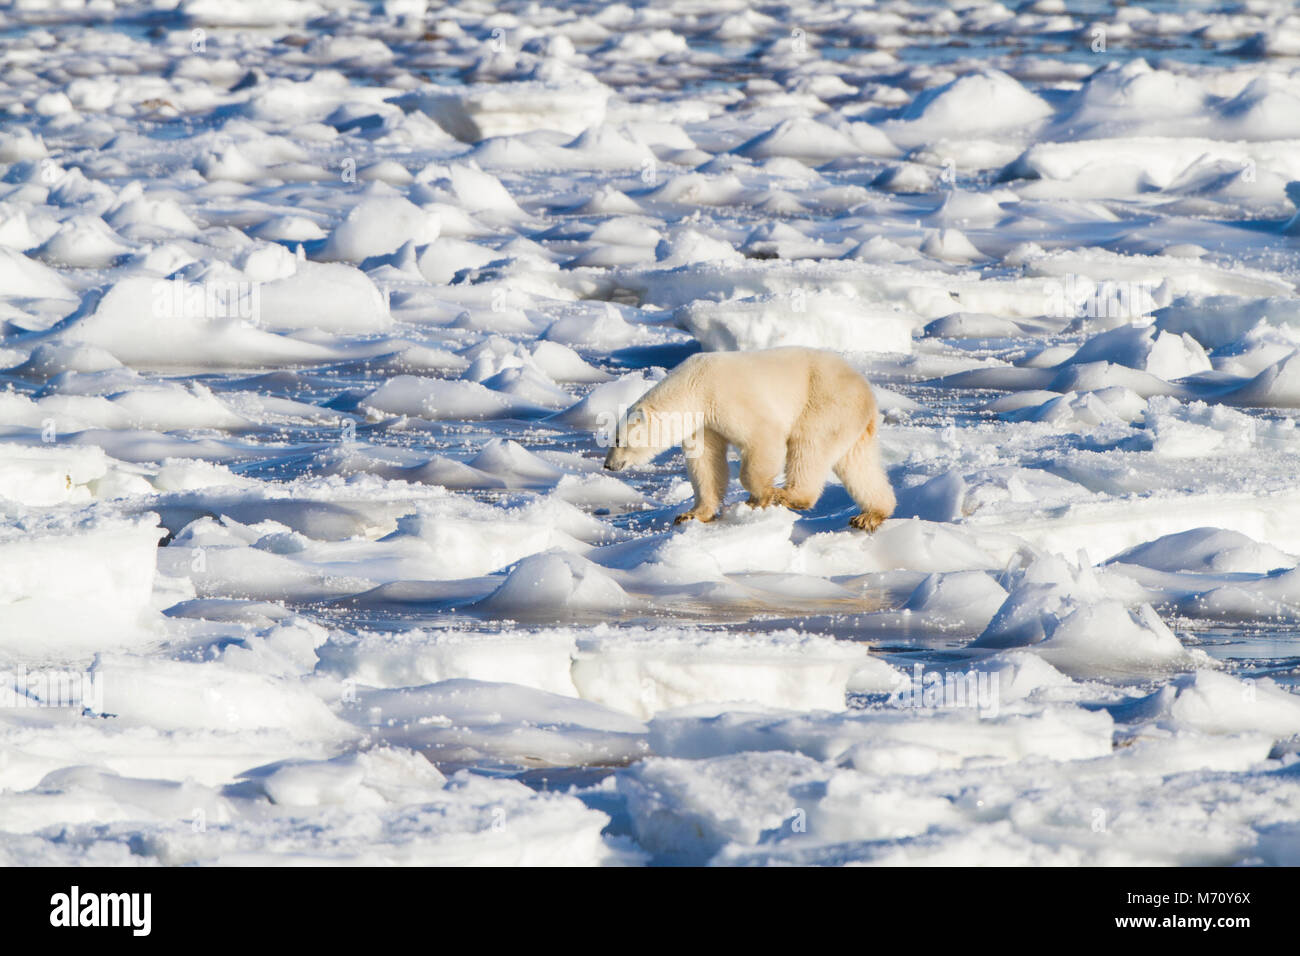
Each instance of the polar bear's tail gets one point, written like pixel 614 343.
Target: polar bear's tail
pixel 864 478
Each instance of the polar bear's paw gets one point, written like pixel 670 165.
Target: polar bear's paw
pixel 868 520
pixel 768 498
pixel 793 500
pixel 695 514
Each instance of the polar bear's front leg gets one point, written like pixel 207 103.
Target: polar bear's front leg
pixel 706 466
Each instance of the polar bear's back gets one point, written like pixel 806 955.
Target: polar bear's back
pixel 786 366
pixel 778 385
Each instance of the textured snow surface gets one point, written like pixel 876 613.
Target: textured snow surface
pixel 314 317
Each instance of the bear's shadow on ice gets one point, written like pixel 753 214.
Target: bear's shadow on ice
pixel 831 513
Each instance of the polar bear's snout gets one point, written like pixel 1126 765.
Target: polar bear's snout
pixel 614 461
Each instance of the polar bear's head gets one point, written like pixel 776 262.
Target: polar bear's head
pixel 633 441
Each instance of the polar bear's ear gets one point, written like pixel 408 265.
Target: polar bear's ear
pixel 631 418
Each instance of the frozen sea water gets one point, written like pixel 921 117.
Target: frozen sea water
pixel 323 566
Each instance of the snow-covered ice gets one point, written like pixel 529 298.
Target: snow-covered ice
pixel 314 317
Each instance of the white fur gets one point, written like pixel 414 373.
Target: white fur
pixel 803 410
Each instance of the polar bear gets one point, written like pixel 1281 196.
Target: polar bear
pixel 805 409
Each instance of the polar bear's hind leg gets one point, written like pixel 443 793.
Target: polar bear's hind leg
pixel 759 466
pixel 865 480
pixel 822 437
pixel 808 462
